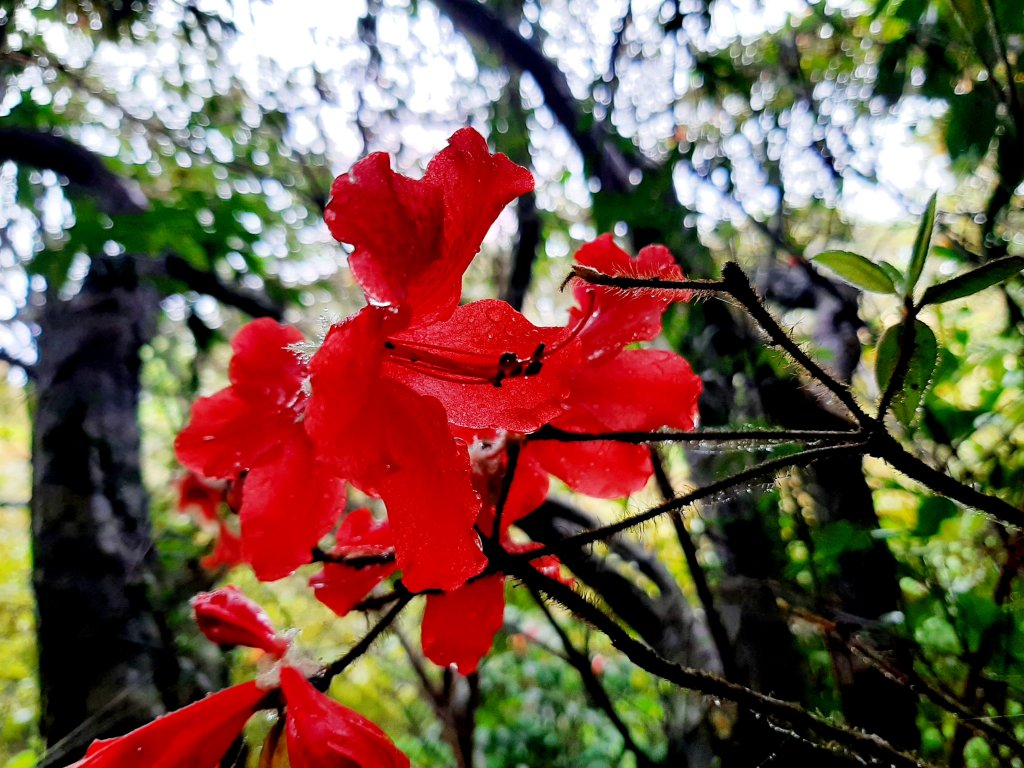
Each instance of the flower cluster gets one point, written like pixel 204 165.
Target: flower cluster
pixel 419 401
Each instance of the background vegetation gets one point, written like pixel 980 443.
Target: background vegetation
pixel 164 168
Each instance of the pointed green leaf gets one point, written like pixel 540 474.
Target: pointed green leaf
pixel 976 280
pixel 921 242
pixel 894 274
pixel 857 271
pixel 922 363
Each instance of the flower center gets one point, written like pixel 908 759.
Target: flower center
pixel 471 367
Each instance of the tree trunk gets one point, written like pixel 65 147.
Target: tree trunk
pixel 106 663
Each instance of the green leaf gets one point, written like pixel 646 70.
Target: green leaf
pixel 976 280
pixel 921 242
pixel 948 253
pixel 919 371
pixel 858 271
pixel 931 513
pixel 972 123
pixel 894 274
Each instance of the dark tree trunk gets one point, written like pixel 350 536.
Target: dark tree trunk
pixel 106 663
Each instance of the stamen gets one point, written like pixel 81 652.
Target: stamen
pixel 477 368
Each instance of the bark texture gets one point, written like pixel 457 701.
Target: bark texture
pixel 105 662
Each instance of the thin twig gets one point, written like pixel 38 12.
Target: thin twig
pixel 767 436
pixel 883 446
pixel 598 695
pixel 737 285
pixel 323 680
pixel 712 618
pixel 512 461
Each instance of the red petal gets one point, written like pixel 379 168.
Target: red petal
pixel 549 565
pixel 344 380
pixel 360 534
pixel 620 317
pixel 226 435
pixel 227 552
pixel 205 496
pixel 228 617
pixel 288 505
pixel 639 389
pixel 231 431
pixel 414 239
pixel 475 186
pixel 394 223
pixel 323 733
pixel 602 469
pixel 194 737
pixel 264 370
pixel 341 587
pixel 424 479
pixel 459 626
pixel 529 490
pixel 474 340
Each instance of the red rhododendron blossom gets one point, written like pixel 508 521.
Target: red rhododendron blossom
pixel 228 617
pixel 387 382
pixel 254 426
pixel 323 733
pixel 197 736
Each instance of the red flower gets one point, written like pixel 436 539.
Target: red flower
pixel 323 733
pixel 388 381
pixel 255 427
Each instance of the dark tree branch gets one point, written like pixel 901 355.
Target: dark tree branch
pixel 610 165
pixel 253 303
pixel 755 473
pixel 760 437
pixel 82 167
